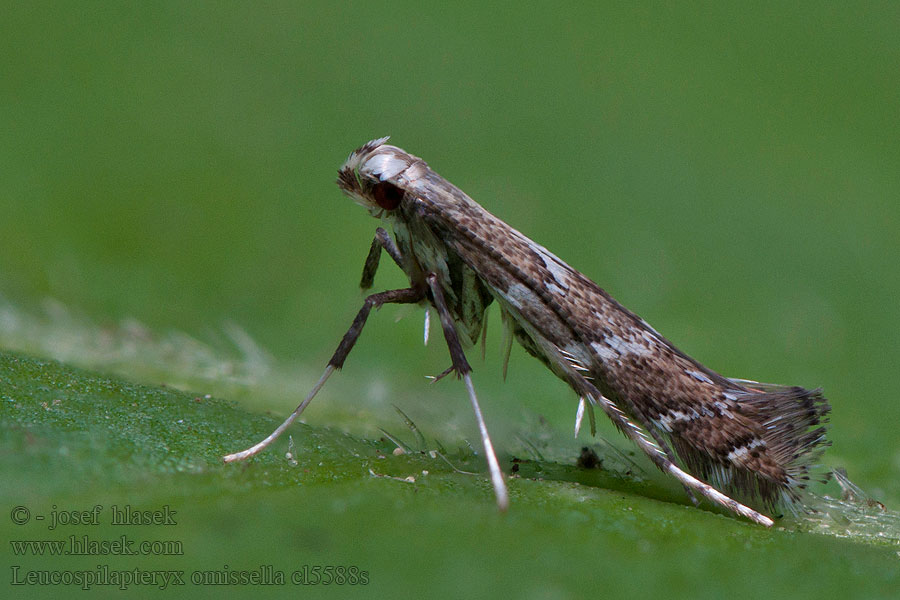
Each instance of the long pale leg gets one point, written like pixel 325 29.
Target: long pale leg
pixel 579 415
pixel 671 457
pixel 461 366
pixel 659 457
pixel 402 296
pixel 256 449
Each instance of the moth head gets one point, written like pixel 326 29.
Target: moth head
pixel 374 176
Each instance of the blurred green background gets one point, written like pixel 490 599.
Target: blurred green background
pixel 729 173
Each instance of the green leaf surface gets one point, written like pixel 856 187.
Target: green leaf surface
pixel 73 439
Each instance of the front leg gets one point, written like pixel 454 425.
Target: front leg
pixel 410 295
pixel 381 241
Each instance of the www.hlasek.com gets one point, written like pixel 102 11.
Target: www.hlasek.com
pixel 83 545
pixel 104 575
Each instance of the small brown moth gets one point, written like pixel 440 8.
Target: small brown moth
pixel 757 441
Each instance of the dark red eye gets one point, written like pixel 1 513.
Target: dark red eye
pixel 387 195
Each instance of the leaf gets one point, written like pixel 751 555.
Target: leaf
pixel 73 439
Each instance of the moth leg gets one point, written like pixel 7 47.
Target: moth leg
pixel 444 373
pixel 462 368
pixel 401 296
pixel 657 437
pixel 588 407
pixel 658 456
pixel 507 339
pixel 671 456
pixel 661 443
pixel 484 334
pixel 410 295
pixel 381 240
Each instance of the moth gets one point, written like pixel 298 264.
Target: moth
pixel 755 441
